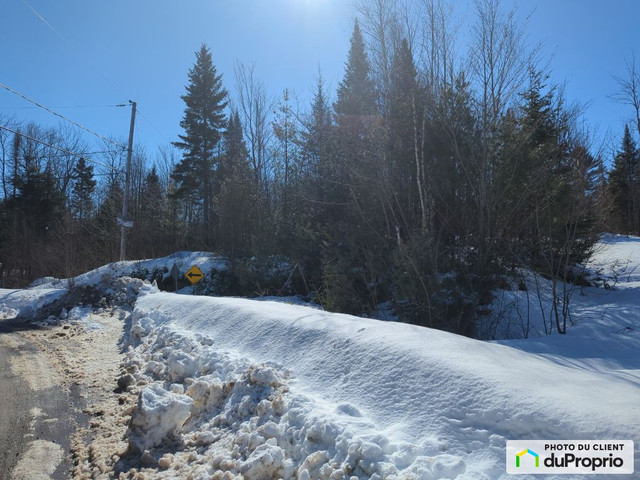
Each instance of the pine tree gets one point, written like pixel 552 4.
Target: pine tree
pixel 320 174
pixel 404 110
pixel 548 197
pixel 452 146
pixel 624 187
pixel 149 233
pixel 356 116
pixel 81 202
pixel 34 215
pixel 357 125
pixel 317 176
pixel 105 230
pixel 356 92
pixel 203 122
pixel 356 241
pixel 316 138
pixel 529 168
pixel 236 153
pixel 236 197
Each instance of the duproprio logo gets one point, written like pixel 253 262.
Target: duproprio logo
pixel 531 457
pixel 530 452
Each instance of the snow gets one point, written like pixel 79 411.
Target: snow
pixel 264 389
pixel 385 399
pixel 159 416
pixel 26 302
pixel 182 260
pixel 518 313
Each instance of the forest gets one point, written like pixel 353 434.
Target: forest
pixel 430 181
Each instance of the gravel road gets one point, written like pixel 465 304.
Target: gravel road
pixel 37 417
pixel 62 415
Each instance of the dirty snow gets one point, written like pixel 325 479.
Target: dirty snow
pixel 26 302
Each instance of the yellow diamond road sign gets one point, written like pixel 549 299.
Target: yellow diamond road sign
pixel 194 275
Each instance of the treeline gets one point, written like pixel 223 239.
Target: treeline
pixel 60 203
pixel 429 182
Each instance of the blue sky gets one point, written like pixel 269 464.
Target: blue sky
pixel 105 53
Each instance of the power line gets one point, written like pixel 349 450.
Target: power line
pixel 66 106
pixel 104 77
pixel 64 150
pixel 43 19
pixel 160 132
pixel 98 71
pixel 102 137
pixel 17 132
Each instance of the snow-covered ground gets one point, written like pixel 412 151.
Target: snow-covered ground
pixel 26 302
pixel 235 388
pixel 182 261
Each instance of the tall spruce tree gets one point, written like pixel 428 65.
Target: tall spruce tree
pixel 355 109
pixel 35 214
pixel 149 232
pixel 356 92
pixel 317 174
pixel 624 187
pixel 548 199
pixel 404 109
pixel 356 114
pixel 81 202
pixel 106 233
pixel 203 123
pixel 236 198
pixel 76 243
pixel 317 152
pixel 356 236
pixel 316 138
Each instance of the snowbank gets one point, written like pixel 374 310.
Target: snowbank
pixel 383 399
pixel 182 260
pixel 26 302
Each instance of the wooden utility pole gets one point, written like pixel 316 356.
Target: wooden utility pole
pixel 124 221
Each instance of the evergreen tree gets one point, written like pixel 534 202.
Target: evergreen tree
pixel 529 168
pixel 321 174
pixel 356 116
pixel 203 122
pixel 237 195
pixel 356 92
pixel 39 201
pixel 404 109
pixel 149 233
pixel 547 198
pixel 624 187
pixel 453 141
pixel 105 229
pixel 356 237
pixel 316 139
pixel 76 244
pixel 317 176
pixel 33 216
pixel 290 169
pixel 81 202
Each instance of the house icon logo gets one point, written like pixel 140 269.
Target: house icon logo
pixel 530 452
